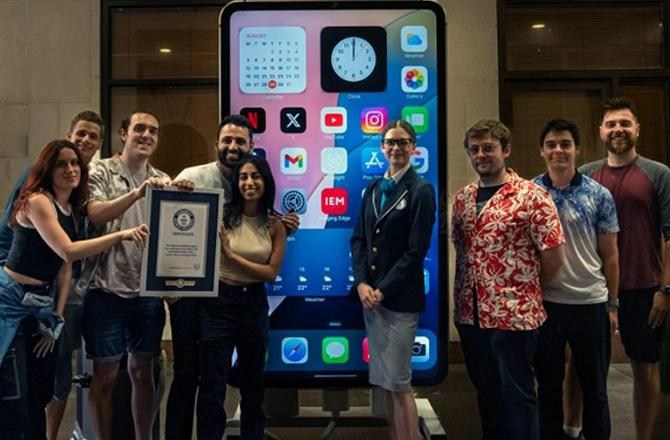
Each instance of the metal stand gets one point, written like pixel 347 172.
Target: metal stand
pixel 283 410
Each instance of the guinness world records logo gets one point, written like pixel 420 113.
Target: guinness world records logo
pixel 183 219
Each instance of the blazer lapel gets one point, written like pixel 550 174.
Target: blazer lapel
pixel 397 196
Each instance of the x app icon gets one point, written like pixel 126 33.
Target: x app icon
pixel 293 120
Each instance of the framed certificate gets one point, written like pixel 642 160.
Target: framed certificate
pixel 183 251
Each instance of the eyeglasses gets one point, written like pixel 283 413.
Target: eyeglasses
pixel 473 150
pixel 230 139
pixel 399 142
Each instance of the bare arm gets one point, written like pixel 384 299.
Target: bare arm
pixel 40 212
pixel 263 271
pixel 101 212
pixel 609 254
pixel 551 261
pixel 661 304
pixel 63 281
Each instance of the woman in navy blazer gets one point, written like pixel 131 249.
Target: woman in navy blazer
pixel 388 248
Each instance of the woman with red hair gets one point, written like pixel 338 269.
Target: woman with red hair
pixel 46 226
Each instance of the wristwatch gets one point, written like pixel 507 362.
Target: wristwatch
pixel 613 303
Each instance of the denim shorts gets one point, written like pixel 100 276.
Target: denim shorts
pixel 69 341
pixel 113 324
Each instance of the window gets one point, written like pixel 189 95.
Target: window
pixel 564 59
pixel 163 58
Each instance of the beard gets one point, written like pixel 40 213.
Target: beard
pixel 628 144
pixel 222 156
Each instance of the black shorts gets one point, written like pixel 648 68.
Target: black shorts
pixel 641 342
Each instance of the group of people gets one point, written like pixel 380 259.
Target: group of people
pixel 568 259
pixel 564 260
pixel 71 244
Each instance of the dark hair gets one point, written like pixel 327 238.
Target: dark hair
pixel 560 124
pixel 88 116
pixel 125 123
pixel 491 127
pixel 235 208
pixel 240 121
pixel 400 123
pixel 618 103
pixel 40 177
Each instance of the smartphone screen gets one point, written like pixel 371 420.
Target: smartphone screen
pixel 319 81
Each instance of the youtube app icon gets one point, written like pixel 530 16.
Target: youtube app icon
pixel 333 120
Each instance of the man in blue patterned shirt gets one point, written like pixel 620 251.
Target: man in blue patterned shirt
pixel 581 300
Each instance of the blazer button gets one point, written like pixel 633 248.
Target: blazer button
pixel 373 267
pixel 374 249
pixel 377 231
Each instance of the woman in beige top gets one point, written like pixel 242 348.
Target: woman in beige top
pixel 252 250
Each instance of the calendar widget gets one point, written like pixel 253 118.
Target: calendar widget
pixel 273 59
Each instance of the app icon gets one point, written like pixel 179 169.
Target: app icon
pixel 256 117
pixel 293 160
pixel 335 350
pixel 334 160
pixel 419 160
pixel 414 79
pixel 293 120
pixel 366 351
pixel 294 350
pixel 373 119
pixel 421 349
pixel 260 152
pixel 334 201
pixel 294 200
pixel 417 116
pixel 333 120
pixel 373 161
pixel 414 38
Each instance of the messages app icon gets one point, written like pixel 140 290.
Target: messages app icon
pixel 335 350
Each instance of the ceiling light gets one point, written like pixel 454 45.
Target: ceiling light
pixel 165 50
pixel 538 26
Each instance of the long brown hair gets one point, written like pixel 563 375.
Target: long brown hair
pixel 40 179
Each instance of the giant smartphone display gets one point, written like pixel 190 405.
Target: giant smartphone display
pixel 319 81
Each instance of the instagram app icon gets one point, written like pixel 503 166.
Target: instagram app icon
pixel 373 119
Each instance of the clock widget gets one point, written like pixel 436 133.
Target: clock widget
pixel 353 59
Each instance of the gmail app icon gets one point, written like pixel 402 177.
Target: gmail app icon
pixel 293 160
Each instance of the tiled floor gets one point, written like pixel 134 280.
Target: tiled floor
pixel 454 403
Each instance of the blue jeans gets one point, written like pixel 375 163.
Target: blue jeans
pixel 185 325
pixel 587 329
pixel 26 386
pixel 69 341
pixel 238 318
pixel 500 366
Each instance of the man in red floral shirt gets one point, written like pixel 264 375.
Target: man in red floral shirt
pixel 508 239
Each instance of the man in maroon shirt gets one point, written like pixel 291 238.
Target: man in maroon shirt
pixel 641 190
